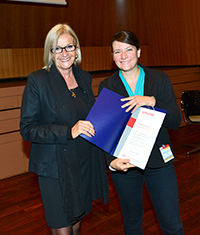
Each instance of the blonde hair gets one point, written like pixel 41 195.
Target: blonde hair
pixel 51 42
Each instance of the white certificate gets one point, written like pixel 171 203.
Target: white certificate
pixel 138 138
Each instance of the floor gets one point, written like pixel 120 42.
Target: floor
pixel 21 210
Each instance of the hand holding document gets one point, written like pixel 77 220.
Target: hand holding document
pixel 139 136
pixel 121 134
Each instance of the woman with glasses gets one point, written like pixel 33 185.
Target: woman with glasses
pixel 55 102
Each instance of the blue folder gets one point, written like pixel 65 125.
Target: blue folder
pixel 108 119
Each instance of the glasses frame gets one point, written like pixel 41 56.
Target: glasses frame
pixel 62 48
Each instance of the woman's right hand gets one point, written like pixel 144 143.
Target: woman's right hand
pixel 82 127
pixel 121 164
pixel 136 101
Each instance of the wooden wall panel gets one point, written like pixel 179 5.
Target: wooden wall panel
pixel 9 125
pixel 14 150
pixel 20 62
pixel 95 22
pixel 13 159
pixel 170 29
pixel 10 97
pixel 95 84
pixel 184 79
pixel 185 87
pixel 96 58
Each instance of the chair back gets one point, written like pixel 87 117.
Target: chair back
pixel 190 104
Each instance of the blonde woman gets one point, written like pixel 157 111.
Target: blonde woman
pixel 55 103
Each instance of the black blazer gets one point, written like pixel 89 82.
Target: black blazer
pixel 157 84
pixel 45 99
pixel 47 116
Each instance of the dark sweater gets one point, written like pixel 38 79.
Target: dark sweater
pixel 157 84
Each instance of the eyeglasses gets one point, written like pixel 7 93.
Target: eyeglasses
pixel 59 50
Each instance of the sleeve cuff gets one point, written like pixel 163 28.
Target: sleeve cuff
pixel 69 134
pixel 112 169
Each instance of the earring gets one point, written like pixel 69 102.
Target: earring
pixel 76 56
pixel 138 53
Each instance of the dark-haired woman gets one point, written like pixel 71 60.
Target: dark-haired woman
pixel 143 86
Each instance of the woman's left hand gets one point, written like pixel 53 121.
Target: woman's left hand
pixel 121 164
pixel 136 101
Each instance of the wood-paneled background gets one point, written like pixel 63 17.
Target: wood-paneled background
pixel 169 28
pixel 168 31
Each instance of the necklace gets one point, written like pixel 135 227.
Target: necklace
pixel 73 93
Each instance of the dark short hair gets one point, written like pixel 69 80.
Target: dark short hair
pixel 126 36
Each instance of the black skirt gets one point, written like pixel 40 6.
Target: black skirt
pixel 52 199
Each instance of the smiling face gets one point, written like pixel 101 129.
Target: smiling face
pixel 125 55
pixel 65 60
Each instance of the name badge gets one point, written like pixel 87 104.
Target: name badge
pixel 166 153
